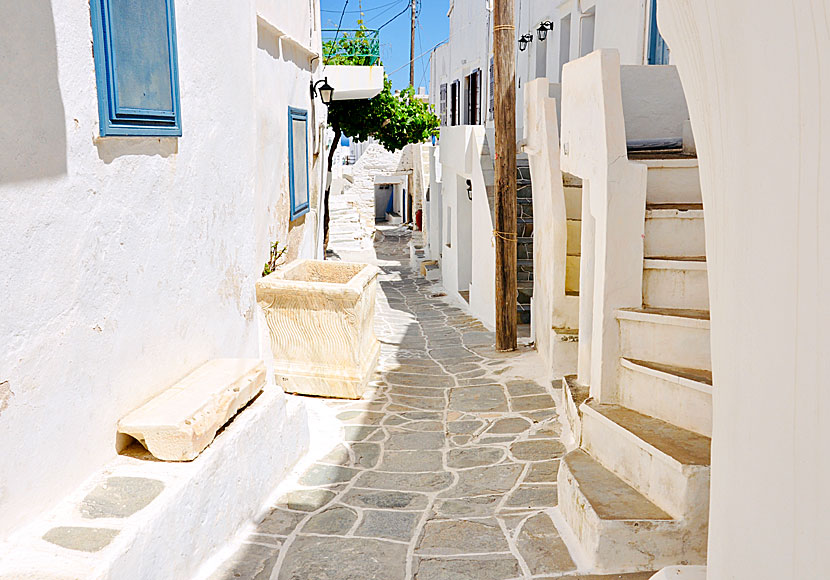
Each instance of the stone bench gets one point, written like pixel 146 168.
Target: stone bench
pixel 179 423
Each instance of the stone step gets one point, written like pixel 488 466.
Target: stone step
pixel 675 283
pixel 618 528
pixel 681 396
pixel 573 202
pixel 672 181
pixel 667 336
pixel 572 264
pixel 667 464
pixel 565 349
pixel 673 229
pixel 574 237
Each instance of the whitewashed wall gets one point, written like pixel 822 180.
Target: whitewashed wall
pixel 127 262
pixel 755 77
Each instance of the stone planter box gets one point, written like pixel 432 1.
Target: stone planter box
pixel 320 318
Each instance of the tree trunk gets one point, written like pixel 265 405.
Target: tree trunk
pixel 332 150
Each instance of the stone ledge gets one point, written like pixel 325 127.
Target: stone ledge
pixel 204 504
pixel 181 422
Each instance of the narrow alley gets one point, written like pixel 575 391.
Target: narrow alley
pixel 448 466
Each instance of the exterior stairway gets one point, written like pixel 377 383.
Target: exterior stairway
pixel 636 490
pixel 524 232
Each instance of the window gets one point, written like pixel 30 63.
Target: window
pixel 492 89
pixel 136 67
pixel 455 90
pixel 472 109
pixel 658 50
pixel 298 161
pixel 443 104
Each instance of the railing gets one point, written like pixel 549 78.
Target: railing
pixel 351 47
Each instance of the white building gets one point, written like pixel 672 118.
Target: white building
pixel 142 186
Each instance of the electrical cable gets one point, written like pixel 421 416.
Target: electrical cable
pixel 408 7
pixel 339 24
pixel 365 9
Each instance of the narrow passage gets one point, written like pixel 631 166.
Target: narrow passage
pixel 448 467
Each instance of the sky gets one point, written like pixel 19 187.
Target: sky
pixel 432 27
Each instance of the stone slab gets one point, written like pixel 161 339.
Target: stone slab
pixel 120 497
pixel 334 558
pixel 179 423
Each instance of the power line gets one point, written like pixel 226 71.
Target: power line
pixel 339 24
pixel 419 56
pixel 389 8
pixel 366 10
pixel 408 6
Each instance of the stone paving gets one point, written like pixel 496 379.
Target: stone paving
pixel 448 465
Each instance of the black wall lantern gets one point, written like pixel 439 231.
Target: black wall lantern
pixel 542 31
pixel 325 90
pixel 470 190
pixel 524 40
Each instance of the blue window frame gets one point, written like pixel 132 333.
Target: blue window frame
pixel 136 67
pixel 658 50
pixel 298 161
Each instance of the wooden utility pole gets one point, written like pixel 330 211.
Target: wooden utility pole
pixel 413 4
pixel 504 69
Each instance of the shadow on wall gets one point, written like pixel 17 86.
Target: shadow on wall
pixel 32 119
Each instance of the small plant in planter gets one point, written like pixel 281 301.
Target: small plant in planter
pixel 274 258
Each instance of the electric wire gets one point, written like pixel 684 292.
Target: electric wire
pixel 408 7
pixel 365 9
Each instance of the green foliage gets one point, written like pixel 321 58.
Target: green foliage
pixel 394 120
pixel 359 47
pixel 274 258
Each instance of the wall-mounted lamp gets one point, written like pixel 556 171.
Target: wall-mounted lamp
pixel 524 40
pixel 470 190
pixel 542 31
pixel 325 90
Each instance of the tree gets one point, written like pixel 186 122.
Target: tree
pixel 395 121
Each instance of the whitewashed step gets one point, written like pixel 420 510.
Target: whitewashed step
pixel 674 229
pixel 573 395
pixel 617 527
pixel 667 336
pixel 681 396
pixel 667 464
pixel 574 237
pixel 573 201
pixel 672 181
pixel 675 283
pixel 572 266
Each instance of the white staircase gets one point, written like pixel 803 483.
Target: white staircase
pixel 636 490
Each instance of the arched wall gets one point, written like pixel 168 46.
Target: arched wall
pixel 757 82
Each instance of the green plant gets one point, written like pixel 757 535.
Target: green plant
pixel 359 47
pixel 395 121
pixel 274 257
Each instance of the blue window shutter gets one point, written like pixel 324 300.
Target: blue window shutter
pixel 136 67
pixel 298 161
pixel 658 50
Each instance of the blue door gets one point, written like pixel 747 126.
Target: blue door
pixel 658 50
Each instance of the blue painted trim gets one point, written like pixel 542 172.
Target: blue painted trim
pixel 297 114
pixel 658 50
pixel 116 120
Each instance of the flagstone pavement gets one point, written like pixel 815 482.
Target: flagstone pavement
pixel 447 467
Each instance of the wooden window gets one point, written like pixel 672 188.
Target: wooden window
pixel 455 109
pixel 136 67
pixel 443 104
pixel 472 98
pixel 298 161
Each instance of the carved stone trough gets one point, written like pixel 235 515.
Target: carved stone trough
pixel 320 318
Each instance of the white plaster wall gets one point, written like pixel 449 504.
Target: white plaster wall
pixel 127 262
pixel 755 78
pixel 483 249
pixel 654 106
